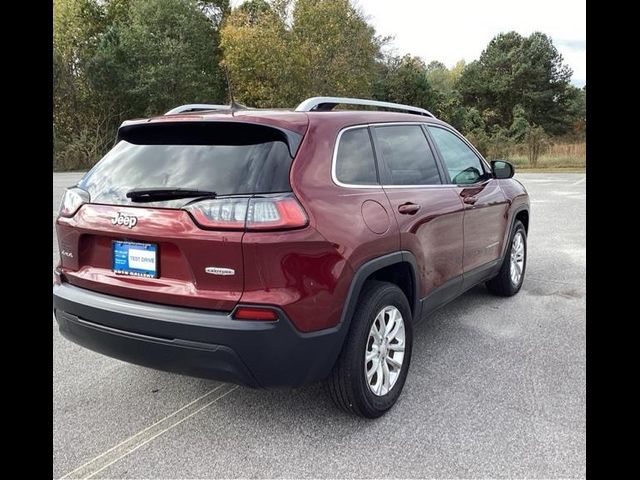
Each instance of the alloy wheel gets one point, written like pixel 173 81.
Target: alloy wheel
pixel 385 351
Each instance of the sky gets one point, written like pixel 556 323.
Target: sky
pixel 451 30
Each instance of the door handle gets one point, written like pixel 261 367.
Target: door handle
pixel 469 200
pixel 408 208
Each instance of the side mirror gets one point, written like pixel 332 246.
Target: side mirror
pixel 501 169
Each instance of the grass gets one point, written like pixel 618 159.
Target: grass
pixel 557 157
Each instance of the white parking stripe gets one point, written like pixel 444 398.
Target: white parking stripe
pixel 579 181
pixel 131 444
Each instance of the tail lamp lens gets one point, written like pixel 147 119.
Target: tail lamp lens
pixel 257 213
pixel 224 213
pixel 72 200
pixel 254 313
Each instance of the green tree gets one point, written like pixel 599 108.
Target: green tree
pixel 263 66
pixel 163 55
pixel 577 107
pixel 339 48
pixel 443 79
pixel 116 59
pixel 404 80
pixel 516 70
pixel 447 101
pixel 279 52
pixel 77 26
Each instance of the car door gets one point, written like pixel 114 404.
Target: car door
pixel 429 212
pixel 485 205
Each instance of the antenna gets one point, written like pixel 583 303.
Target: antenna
pixel 233 106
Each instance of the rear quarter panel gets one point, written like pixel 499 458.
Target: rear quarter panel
pixel 341 240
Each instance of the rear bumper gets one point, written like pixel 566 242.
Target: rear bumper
pixel 196 342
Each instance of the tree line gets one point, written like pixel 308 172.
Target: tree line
pixel 119 59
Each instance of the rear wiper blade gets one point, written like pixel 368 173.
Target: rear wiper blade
pixel 160 194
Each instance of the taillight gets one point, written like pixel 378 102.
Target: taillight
pixel 278 212
pixel 255 313
pixel 224 213
pixel 275 213
pixel 72 200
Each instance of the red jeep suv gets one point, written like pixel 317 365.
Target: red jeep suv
pixel 281 248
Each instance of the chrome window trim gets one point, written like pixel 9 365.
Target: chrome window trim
pixel 428 185
pixel 381 124
pixel 334 176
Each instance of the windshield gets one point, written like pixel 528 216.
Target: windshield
pixel 261 167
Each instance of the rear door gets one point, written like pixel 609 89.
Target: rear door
pixel 485 204
pixel 429 212
pixel 197 246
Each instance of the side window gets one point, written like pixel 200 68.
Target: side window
pixel 463 165
pixel 355 164
pixel 407 155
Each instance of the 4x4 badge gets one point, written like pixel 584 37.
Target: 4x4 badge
pixel 123 219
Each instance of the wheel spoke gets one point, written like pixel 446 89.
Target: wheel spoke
pixel 517 242
pixel 374 330
pixel 386 375
pixel 380 379
pixel 392 335
pixel 390 322
pixel 371 355
pixel 394 363
pixel 396 347
pixel 373 369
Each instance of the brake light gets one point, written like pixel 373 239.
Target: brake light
pixel 254 313
pixel 223 213
pixel 275 213
pixel 72 200
pixel 278 212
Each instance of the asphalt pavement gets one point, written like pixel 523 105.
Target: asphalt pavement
pixel 496 389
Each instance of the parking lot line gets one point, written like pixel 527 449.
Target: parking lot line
pixel 579 181
pixel 131 444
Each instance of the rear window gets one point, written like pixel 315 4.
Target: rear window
pixel 226 160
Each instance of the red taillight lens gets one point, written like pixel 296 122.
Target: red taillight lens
pixel 72 200
pixel 223 213
pixel 278 212
pixel 254 313
pixel 275 213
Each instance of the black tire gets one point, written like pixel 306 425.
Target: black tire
pixel 501 284
pixel 347 383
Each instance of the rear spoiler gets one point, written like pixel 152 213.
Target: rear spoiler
pixel 207 133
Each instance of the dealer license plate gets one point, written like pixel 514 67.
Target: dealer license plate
pixel 136 259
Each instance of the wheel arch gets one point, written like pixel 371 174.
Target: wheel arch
pixel 399 268
pixel 519 213
pixel 522 214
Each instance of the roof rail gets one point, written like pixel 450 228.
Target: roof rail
pixel 325 104
pixel 194 107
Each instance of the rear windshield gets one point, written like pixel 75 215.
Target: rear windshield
pixel 237 164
